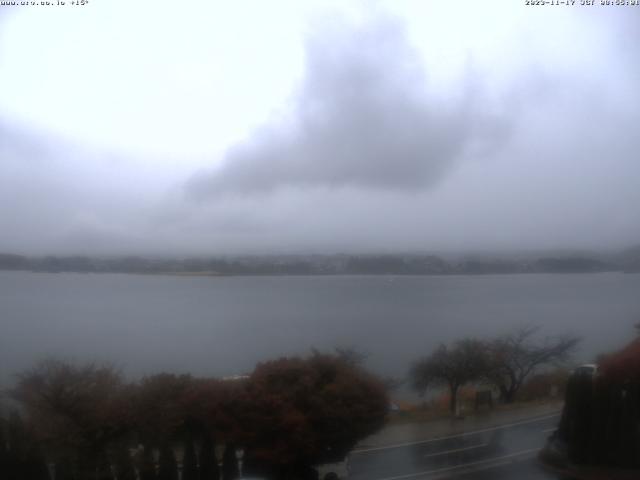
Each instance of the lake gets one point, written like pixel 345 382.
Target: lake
pixel 224 325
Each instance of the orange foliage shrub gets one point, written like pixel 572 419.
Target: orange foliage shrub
pixel 622 366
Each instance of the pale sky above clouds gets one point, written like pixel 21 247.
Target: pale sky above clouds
pixel 247 126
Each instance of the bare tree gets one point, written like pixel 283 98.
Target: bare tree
pixel 464 362
pixel 351 355
pixel 517 355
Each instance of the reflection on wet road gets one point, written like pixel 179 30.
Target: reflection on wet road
pixel 505 452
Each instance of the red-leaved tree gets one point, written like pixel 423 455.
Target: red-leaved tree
pixel 306 411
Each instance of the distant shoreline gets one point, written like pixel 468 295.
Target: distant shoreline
pixel 390 274
pixel 188 274
pixel 337 264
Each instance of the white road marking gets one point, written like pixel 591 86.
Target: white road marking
pixel 498 462
pixel 475 469
pixel 455 450
pixel 458 435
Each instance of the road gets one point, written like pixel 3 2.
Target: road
pixel 505 452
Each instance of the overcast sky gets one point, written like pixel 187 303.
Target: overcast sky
pixel 213 127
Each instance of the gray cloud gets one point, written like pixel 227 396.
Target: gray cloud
pixel 371 158
pixel 53 200
pixel 361 118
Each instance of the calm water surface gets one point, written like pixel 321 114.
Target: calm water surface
pixel 221 326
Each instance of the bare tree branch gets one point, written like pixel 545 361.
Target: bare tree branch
pixel 517 355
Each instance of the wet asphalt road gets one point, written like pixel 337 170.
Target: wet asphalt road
pixel 507 452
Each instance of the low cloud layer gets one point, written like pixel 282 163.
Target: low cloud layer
pixel 382 149
pixel 362 118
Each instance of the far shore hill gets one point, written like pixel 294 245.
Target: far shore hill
pixel 627 261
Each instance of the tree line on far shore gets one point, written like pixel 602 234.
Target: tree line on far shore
pixel 324 264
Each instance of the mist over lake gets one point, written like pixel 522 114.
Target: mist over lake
pixel 224 325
